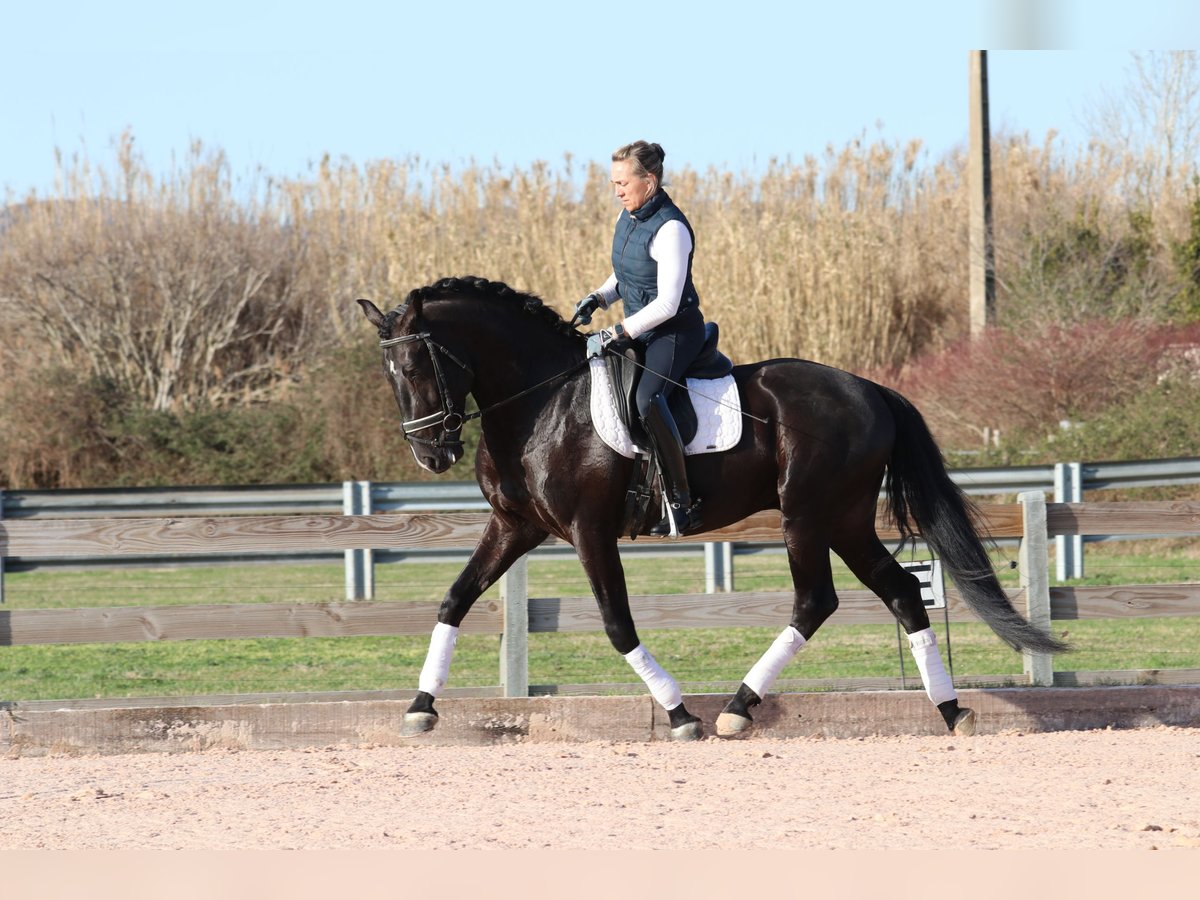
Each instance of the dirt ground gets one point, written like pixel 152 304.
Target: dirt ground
pixel 1101 789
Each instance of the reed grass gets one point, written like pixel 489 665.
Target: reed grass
pixel 125 289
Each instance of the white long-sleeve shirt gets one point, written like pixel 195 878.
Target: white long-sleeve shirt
pixel 670 248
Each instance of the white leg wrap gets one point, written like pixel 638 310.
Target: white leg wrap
pixel 760 678
pixel 937 683
pixel 663 687
pixel 437 663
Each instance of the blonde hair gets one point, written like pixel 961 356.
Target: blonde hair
pixel 647 159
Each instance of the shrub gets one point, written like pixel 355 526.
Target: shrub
pixel 1187 261
pixel 1161 422
pixel 54 428
pixel 1007 387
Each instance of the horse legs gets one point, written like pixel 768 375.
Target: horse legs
pixel 816 600
pixel 602 564
pixel 504 541
pixel 901 592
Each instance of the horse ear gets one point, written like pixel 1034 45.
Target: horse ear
pixel 374 316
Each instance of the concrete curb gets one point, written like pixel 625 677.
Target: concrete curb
pixel 39 729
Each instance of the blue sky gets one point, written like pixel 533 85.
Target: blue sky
pixel 277 85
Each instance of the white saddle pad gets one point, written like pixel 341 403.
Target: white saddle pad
pixel 718 411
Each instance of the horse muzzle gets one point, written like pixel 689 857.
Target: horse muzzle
pixel 438 454
pixel 437 459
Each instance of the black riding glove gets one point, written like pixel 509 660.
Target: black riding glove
pixel 614 337
pixel 585 307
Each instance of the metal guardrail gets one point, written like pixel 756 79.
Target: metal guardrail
pixel 465 495
pixel 1066 481
pixel 260 500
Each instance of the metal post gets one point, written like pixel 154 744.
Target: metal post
pixel 1068 488
pixel 1035 581
pixel 1 554
pixel 354 569
pixel 366 556
pixel 718 567
pixel 514 641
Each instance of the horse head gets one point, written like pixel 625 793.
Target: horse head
pixel 429 381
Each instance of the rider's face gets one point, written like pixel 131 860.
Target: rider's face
pixel 632 190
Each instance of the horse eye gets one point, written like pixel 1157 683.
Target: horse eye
pixel 407 371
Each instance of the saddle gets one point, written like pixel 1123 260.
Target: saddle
pixel 643 496
pixel 625 371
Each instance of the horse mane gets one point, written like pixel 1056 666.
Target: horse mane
pixel 481 289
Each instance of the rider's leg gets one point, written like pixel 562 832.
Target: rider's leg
pixel 682 514
pixel 669 351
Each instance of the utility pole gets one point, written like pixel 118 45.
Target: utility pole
pixel 979 184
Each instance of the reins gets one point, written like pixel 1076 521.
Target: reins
pixel 451 421
pixel 541 384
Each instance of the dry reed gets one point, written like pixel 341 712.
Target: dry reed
pixel 193 289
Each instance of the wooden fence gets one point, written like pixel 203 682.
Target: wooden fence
pixel 515 614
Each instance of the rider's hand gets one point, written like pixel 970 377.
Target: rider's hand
pixel 585 307
pixel 599 342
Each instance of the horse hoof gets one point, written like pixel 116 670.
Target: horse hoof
pixel 688 731
pixel 733 725
pixel 964 723
pixel 418 723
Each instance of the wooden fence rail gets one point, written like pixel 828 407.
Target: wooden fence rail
pixel 516 614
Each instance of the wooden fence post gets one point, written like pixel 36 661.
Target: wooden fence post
pixel 1035 581
pixel 514 641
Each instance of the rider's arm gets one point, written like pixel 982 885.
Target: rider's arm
pixel 670 249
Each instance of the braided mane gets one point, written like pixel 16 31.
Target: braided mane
pixel 477 288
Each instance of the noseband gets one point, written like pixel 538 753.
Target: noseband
pixel 451 421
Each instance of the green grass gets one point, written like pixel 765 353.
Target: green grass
pixel 694 656
pixel 313 583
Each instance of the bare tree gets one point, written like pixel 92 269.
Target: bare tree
pixel 173 290
pixel 1154 121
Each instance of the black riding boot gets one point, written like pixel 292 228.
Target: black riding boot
pixel 668 448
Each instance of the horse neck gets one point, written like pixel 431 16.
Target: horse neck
pixel 511 350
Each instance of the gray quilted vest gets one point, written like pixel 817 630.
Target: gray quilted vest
pixel 635 268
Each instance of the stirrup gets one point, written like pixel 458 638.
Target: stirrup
pixel 678 521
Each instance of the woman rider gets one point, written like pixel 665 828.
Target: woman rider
pixel 652 273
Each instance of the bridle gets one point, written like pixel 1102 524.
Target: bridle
pixel 451 421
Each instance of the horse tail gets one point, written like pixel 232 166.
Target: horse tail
pixel 921 493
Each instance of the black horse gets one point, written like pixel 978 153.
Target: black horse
pixel 816 446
